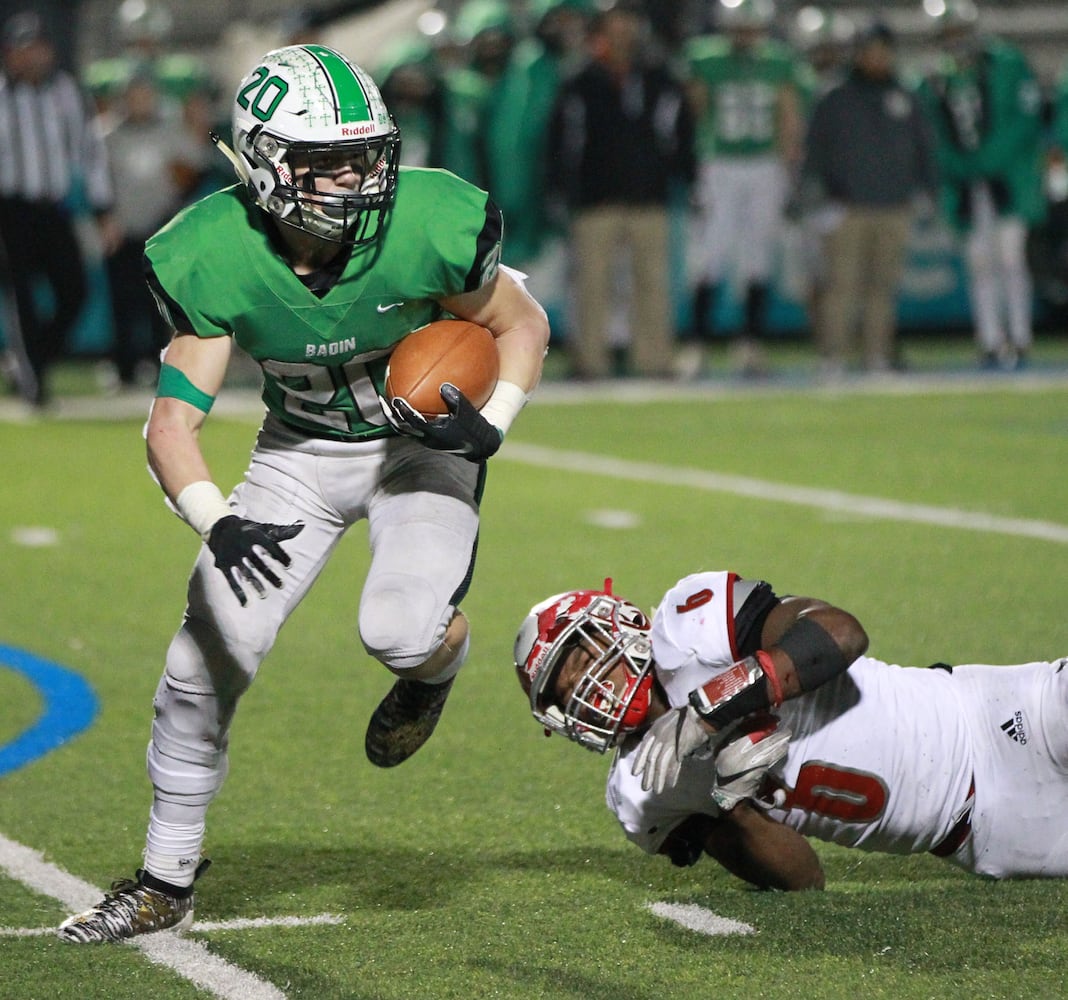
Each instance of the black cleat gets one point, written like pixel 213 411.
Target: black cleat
pixel 404 720
pixel 141 905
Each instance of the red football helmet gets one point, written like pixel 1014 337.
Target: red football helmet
pixel 596 715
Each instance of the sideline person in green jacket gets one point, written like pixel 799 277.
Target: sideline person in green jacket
pixel 518 146
pixel 985 104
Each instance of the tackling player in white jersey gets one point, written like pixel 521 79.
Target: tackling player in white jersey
pixel 969 763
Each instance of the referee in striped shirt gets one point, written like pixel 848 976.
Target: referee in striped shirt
pixel 48 143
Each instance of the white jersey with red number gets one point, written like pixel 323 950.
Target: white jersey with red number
pixel 883 758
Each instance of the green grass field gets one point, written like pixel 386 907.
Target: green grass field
pixel 488 866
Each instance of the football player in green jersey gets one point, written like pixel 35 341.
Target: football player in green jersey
pixel 322 258
pixel 744 87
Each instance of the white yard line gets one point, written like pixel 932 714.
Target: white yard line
pixel 244 403
pixel 828 501
pixel 206 926
pixel 697 918
pixel 190 959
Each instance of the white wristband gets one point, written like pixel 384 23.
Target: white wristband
pixel 504 405
pixel 201 504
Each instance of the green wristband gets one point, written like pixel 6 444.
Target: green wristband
pixel 174 384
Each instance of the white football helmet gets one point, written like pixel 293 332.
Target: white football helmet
pixel 952 13
pixel 596 716
pixel 745 15
pixel 308 105
pixel 814 27
pixel 144 21
pixel 956 28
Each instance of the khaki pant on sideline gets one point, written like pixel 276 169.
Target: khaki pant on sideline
pixel 865 260
pixel 600 237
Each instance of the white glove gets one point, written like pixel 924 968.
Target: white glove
pixel 742 765
pixel 670 740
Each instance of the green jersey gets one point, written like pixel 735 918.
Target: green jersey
pixel 741 116
pixel 987 119
pixel 215 268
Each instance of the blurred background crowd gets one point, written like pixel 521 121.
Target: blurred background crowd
pixel 679 178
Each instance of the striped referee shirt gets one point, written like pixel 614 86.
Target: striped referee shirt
pixel 48 140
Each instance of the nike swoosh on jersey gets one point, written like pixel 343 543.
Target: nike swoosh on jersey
pixel 389 305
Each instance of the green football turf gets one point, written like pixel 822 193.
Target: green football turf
pixel 488 866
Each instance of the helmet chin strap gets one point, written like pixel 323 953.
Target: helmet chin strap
pixel 242 171
pixel 240 168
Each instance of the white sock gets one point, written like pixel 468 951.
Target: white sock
pixel 172 850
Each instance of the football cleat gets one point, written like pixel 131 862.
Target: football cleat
pixel 404 720
pixel 141 905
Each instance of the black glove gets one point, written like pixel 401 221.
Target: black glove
pixel 234 541
pixel 463 431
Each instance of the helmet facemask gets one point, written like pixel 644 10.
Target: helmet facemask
pixel 337 216
pixel 601 708
pixel 598 715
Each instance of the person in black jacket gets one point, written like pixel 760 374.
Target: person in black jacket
pixel 869 156
pixel 622 135
pixel 48 142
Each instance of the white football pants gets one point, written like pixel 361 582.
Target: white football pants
pixel 422 513
pixel 741 221
pixel 999 278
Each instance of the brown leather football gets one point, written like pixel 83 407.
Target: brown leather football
pixel 448 350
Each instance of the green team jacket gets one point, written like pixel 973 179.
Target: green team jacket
pixel 988 127
pixel 468 96
pixel 215 270
pixel 518 145
pixel 743 89
pixel 1059 127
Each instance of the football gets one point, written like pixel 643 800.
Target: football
pixel 449 350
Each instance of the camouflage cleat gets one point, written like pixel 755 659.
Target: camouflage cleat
pixel 132 907
pixel 404 720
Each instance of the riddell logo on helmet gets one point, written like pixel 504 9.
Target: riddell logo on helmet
pixel 536 658
pixel 367 127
